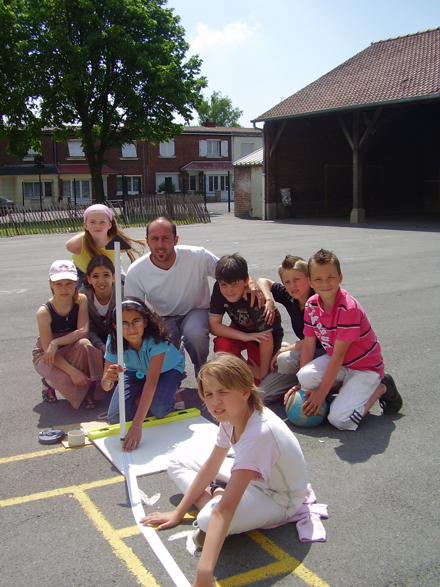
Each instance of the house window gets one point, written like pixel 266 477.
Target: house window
pixel 246 149
pixel 194 183
pixel 217 182
pixel 75 149
pixel 167 149
pixel 77 189
pixel 129 150
pixel 31 189
pixel 128 184
pixel 170 179
pixel 213 148
pixel 31 154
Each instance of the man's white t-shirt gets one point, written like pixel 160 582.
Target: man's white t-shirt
pixel 178 290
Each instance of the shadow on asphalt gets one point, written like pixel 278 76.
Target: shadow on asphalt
pixel 61 413
pixel 371 438
pixel 417 223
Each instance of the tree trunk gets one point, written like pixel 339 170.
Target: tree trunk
pixel 98 187
pixel 95 167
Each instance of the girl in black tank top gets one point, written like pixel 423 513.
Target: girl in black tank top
pixel 63 322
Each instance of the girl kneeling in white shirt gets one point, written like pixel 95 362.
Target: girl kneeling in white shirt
pixel 266 482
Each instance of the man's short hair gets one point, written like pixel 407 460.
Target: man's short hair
pixel 231 268
pixel 322 257
pixel 171 223
pixel 293 262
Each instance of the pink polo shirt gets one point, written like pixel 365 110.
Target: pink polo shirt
pixel 346 321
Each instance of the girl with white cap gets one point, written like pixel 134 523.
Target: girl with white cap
pixel 63 355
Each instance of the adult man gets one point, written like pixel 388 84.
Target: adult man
pixel 174 280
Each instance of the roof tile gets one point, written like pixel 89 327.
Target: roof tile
pixel 387 71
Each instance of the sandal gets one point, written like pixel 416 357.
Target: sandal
pixel 48 393
pixel 88 402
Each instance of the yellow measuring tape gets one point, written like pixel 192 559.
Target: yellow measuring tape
pixel 152 421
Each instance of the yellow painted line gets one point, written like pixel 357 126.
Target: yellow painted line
pixel 121 550
pixel 59 491
pixel 285 564
pixel 128 532
pixel 252 577
pixel 31 455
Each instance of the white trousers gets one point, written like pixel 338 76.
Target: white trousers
pixel 255 510
pixel 347 409
pixel 275 385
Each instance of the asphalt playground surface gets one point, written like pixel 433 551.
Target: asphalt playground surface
pixel 65 517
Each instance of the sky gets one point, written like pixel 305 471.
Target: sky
pixel 259 52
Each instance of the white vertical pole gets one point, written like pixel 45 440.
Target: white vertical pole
pixel 119 337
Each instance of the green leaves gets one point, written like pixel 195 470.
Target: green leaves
pixel 115 69
pixel 219 109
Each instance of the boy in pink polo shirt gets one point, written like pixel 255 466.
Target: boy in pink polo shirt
pixel 353 356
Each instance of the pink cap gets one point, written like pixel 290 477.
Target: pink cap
pixel 98 208
pixel 63 270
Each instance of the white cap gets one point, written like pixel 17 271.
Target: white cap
pixel 63 270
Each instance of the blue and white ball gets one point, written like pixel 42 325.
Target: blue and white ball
pixel 296 415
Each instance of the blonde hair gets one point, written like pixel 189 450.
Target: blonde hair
pixel 75 296
pixel 232 373
pixel 114 230
pixel 293 262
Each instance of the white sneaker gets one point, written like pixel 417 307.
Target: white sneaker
pixel 179 406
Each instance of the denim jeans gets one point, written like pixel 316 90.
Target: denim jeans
pixel 163 399
pixel 193 331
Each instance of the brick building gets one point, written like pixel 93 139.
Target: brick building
pixel 201 158
pixel 248 191
pixel 364 138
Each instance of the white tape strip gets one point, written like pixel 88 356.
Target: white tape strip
pixel 151 536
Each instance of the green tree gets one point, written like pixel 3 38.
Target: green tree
pixel 108 71
pixel 218 109
pixel 18 120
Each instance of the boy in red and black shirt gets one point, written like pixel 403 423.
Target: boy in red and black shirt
pixel 248 329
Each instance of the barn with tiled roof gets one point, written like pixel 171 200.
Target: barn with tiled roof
pixel 364 138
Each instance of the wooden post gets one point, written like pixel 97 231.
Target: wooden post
pixel 357 215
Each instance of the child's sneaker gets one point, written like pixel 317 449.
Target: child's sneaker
pixel 391 401
pixel 179 406
pixel 198 536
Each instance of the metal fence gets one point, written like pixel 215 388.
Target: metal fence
pixel 51 218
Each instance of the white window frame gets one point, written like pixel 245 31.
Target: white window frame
pixel 160 177
pixel 129 151
pixel 31 154
pixel 130 185
pixel 167 150
pixel 214 148
pixel 214 182
pixel 76 150
pixel 80 182
pixel 207 148
pixel 35 189
pixel 198 183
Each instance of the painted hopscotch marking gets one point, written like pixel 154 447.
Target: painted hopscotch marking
pixel 285 564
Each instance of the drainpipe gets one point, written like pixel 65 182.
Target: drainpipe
pixel 263 178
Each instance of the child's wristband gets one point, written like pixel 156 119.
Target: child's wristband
pixel 137 427
pixel 53 343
